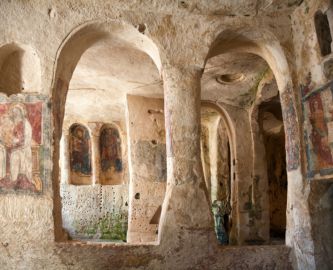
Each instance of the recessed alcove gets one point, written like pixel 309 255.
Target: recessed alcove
pixel 20 69
pixel 218 169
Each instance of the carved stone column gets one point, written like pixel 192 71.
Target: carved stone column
pixel 64 158
pixel 186 215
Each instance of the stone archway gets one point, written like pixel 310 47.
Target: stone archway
pixel 264 44
pixel 78 42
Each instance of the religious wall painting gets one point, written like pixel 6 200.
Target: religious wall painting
pixel 291 127
pixel 21 145
pixel 317 105
pixel 110 155
pixel 80 154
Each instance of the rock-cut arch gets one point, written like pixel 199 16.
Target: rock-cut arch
pixel 69 53
pixel 264 44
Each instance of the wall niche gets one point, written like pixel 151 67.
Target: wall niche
pixel 20 69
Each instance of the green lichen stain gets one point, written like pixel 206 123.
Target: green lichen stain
pixel 248 98
pixel 112 226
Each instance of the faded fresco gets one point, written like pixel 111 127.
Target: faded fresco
pixel 318 126
pixel 110 155
pixel 20 144
pixel 291 127
pixel 80 151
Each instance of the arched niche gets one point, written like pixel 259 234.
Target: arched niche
pixel 80 155
pixel 264 44
pixel 77 43
pixel 217 155
pixel 110 156
pixel 269 158
pixel 20 69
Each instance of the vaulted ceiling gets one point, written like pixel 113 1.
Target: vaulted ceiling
pixel 109 70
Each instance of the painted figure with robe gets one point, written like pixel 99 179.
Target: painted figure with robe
pixel 110 150
pixel 17 139
pixel 80 157
pixel 319 133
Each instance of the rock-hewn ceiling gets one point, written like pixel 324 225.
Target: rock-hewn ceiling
pixel 104 75
pixel 218 7
pixel 242 74
pixel 108 71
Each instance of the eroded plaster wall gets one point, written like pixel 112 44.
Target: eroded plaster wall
pixel 313 79
pixel 95 212
pixel 146 130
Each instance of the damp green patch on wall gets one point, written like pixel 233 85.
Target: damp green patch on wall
pixel 112 226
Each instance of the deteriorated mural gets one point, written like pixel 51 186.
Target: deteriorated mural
pixel 110 156
pixel 289 118
pixel 80 154
pixel 318 127
pixel 21 144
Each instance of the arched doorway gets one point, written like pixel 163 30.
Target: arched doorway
pixel 216 156
pixel 98 66
pixel 236 64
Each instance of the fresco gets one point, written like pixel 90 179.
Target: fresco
pixel 80 151
pixel 318 126
pixel 291 127
pixel 110 154
pixel 20 145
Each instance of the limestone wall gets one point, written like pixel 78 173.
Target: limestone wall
pixel 311 198
pixel 183 33
pixel 146 130
pixel 95 212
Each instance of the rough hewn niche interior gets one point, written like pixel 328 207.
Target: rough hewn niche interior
pixel 166 134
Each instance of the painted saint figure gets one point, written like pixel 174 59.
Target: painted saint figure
pixel 110 150
pixel 20 150
pixel 80 160
pixel 18 140
pixel 319 132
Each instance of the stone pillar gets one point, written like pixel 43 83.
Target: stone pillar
pixel 186 215
pixel 64 158
pixel 258 209
pixel 205 151
pixel 95 132
pixel 213 156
